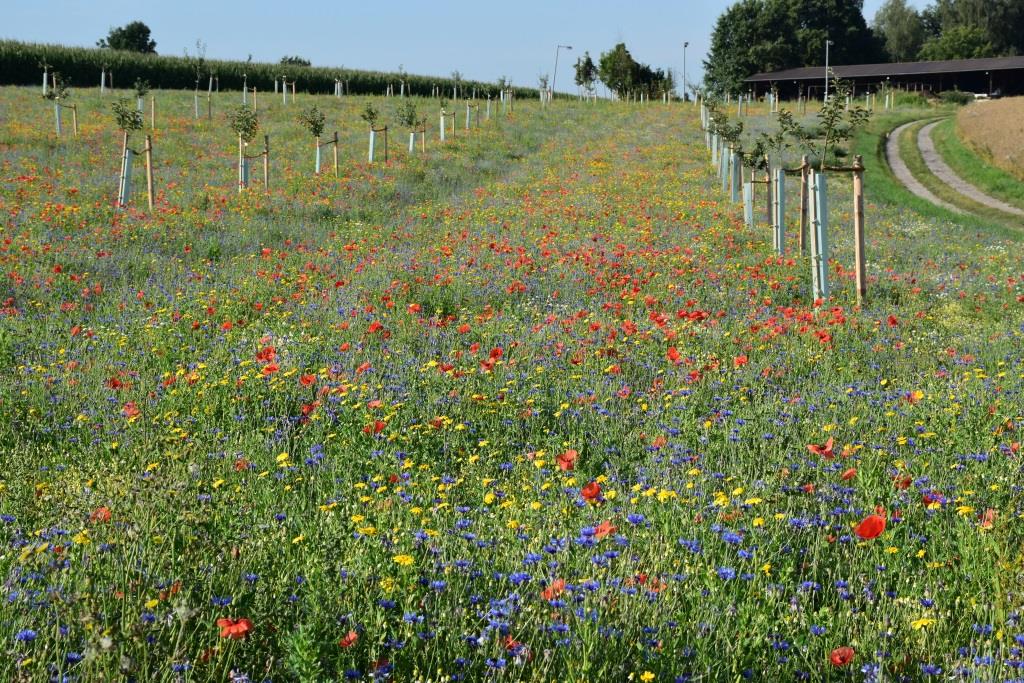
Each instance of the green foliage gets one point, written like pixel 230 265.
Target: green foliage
pixel 370 115
pixel 295 60
pixel 128 118
pixel 407 115
pixel 586 71
pixel 243 122
pixel 901 27
pixel 837 124
pixel 958 97
pixel 958 42
pixel 304 655
pixel 755 36
pixel 20 64
pixel 141 87
pixel 59 88
pixel 616 69
pixel 132 37
pixel 624 75
pixel 312 119
pixel 1000 22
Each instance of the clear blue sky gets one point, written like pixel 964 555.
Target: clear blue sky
pixel 482 39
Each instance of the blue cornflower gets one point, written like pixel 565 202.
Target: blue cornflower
pixel 25 636
pixel 818 630
pixel 732 538
pixel 726 573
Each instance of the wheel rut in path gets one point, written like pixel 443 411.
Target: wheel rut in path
pixel 903 174
pixel 941 170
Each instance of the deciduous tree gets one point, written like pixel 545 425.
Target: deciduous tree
pixel 134 36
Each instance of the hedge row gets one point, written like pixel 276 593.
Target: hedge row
pixel 81 66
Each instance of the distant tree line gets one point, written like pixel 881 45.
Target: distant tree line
pixel 754 36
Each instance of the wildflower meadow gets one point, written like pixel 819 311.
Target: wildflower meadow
pixel 534 404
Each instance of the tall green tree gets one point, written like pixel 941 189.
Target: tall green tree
pixel 901 28
pixel 586 71
pixel 1001 23
pixel 753 36
pixel 958 42
pixel 617 70
pixel 134 37
pixel 841 21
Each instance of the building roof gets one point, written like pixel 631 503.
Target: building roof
pixel 897 69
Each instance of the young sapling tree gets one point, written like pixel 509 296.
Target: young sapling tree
pixel 58 94
pixel 128 119
pixel 244 123
pixel 313 120
pixel 141 90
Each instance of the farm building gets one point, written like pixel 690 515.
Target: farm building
pixel 988 76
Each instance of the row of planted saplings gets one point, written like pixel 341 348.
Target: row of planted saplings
pixel 57 91
pixel 244 123
pixel 813 229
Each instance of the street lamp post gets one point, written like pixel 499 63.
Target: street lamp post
pixel 555 74
pixel 827 43
pixel 686 44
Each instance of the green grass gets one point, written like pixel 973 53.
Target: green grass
pixel 532 406
pixel 968 165
pixel 880 184
pixel 912 157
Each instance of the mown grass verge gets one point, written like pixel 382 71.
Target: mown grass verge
pixel 977 171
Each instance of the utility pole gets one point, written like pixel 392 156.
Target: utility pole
pixel 686 44
pixel 827 43
pixel 555 74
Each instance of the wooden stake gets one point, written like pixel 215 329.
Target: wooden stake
pixel 149 171
pixel 335 154
pixel 241 161
pixel 858 228
pixel 266 164
pixel 152 112
pixel 74 118
pixel 802 239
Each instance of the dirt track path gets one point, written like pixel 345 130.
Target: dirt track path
pixel 933 160
pixel 903 174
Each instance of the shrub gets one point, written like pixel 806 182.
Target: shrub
pixel 956 97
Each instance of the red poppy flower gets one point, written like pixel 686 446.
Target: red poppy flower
pixel 348 640
pixel 673 355
pixel 236 629
pixel 591 492
pixel 554 589
pixel 567 460
pixel 870 527
pixel 849 474
pixel 603 529
pixel 824 450
pixel 100 514
pixel 842 656
pixel 307 380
